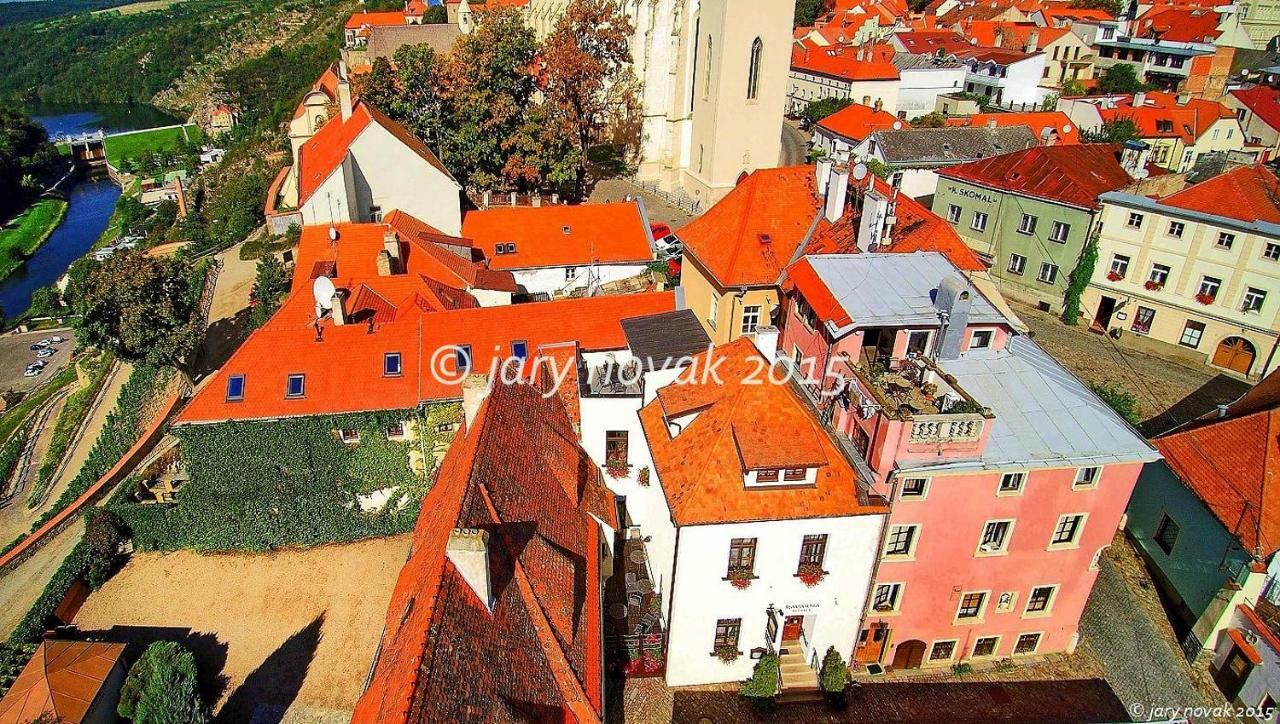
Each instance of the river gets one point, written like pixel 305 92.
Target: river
pixel 91 201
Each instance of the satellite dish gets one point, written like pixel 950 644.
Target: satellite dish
pixel 897 125
pixel 860 171
pixel 333 233
pixel 323 290
pixel 1066 128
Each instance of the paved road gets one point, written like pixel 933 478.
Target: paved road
pixel 16 354
pixel 795 146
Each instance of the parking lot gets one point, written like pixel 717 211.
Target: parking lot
pixel 16 354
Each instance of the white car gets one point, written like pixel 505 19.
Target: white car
pixel 56 339
pixel 32 370
pixel 46 352
pixel 45 342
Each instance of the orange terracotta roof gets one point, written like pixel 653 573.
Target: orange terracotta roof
pixel 519 474
pixel 1253 192
pixel 856 121
pixel 1179 24
pixel 1073 175
pixel 1264 101
pixel 1188 120
pixel 552 236
pixel 1233 466
pixel 1012 34
pixel 744 427
pixel 1044 124
pixel 321 155
pixel 377 18
pixel 327 84
pixel 344 369
pixel 61 681
pixel 845 62
pixel 927 42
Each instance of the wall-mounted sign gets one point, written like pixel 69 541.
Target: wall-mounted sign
pixel 969 193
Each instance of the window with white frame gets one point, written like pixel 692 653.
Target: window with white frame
pixel 985 646
pixel 981 339
pixel 1017 264
pixel 1067 531
pixel 953 213
pixel 1253 299
pixel 1176 228
pixel 1086 477
pixel 886 598
pixel 1041 599
pixel 1159 275
pixel 1060 231
pixel 1027 225
pixel 913 488
pixel 1225 240
pixel 713 310
pixel 1011 483
pixel 1027 644
pixel 995 537
pixel 750 319
pixel 943 650
pixel 1271 251
pixel 349 436
pixel 1191 334
pixel 1119 266
pixel 1209 287
pixel 901 541
pixel 1048 273
pixel 1135 220
pixel 973 605
pixel 979 222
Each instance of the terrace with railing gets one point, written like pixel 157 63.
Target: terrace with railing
pixel 610 379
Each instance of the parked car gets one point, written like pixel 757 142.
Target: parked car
pixel 45 342
pixel 57 339
pixel 40 345
pixel 667 242
pixel 33 370
pixel 46 352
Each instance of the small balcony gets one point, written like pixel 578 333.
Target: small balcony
pixel 611 379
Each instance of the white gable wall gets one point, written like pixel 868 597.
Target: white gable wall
pixel 390 175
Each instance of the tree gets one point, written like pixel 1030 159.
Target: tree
pixel 486 86
pixel 820 109
pixel 929 120
pixel 1120 78
pixel 1072 88
pixel 1124 402
pixel 878 168
pixel 25 157
pixel 378 89
pixel 436 14
pixel 808 11
pixel 1115 7
pixel 45 303
pixel 269 286
pixel 105 536
pixel 417 74
pixel 1117 131
pixel 834 676
pixel 1080 277
pixel 587 71
pixel 162 688
pixel 138 306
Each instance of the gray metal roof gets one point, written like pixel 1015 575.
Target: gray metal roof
pixel 893 288
pixel 920 61
pixel 1045 416
pixel 947 146
pixel 660 340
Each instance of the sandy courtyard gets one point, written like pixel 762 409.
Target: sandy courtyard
pixel 281 636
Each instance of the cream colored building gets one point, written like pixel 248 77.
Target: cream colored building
pixel 1199 268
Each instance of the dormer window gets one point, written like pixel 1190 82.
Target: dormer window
pixel 235 388
pixel 794 475
pixel 511 247
pixel 767 476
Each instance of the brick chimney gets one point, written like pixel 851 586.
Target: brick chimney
pixel 1033 40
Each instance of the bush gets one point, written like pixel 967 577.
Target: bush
pixel 834 674
pixel 105 536
pixel 962 668
pixel 762 687
pixel 162 688
pixel 1124 402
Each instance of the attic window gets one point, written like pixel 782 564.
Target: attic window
pixel 766 239
pixel 511 247
pixel 946 147
pixel 296 385
pixel 391 365
pixel 235 388
pixel 565 229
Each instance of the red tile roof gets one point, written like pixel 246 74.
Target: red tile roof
pixel 1062 14
pixel 1189 120
pixel 553 236
pixel 1045 125
pixel 344 370
pixel 1233 465
pixel 382 17
pixel 1253 192
pixel 750 236
pixel 1012 34
pixel 928 42
pixel 855 122
pixel 327 84
pixel 1264 101
pixel 845 62
pixel 535 654
pixel 1179 24
pixel 321 155
pixel 60 682
pixel 1072 175
pixel 742 427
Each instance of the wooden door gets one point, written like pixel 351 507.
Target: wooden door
pixel 909 655
pixel 791 628
pixel 1235 354
pixel 871 643
pixel 1231 677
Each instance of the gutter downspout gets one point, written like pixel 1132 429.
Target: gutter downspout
pixel 875 570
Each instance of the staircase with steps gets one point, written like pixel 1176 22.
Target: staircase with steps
pixel 799 680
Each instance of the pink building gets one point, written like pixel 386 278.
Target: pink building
pixel 1007 476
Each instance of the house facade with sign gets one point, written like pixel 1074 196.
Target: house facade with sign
pixel 1030 212
pixel 1199 268
pixel 1007 476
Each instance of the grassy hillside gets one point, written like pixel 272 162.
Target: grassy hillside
pixel 24 234
pixel 132 145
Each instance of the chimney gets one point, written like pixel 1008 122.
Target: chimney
pixel 767 342
pixel 339 309
pixel 953 303
pixel 999 37
pixel 468 550
pixel 822 171
pixel 344 91
pixel 991 123
pixel 1184 99
pixel 475 388
pixel 1139 99
pixel 391 245
pixel 837 191
pixel 1033 40
pixel 385 264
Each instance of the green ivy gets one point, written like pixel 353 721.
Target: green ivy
pixel 1079 281
pixel 263 485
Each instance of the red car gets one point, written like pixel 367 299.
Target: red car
pixel 659 230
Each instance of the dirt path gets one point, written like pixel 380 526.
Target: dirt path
pixel 292 633
pixel 16 519
pixel 20 587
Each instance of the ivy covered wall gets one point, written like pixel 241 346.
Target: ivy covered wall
pixel 262 485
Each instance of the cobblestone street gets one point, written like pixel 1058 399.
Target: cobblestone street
pixel 1125 628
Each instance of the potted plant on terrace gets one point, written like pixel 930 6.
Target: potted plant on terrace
pixel 834 677
pixel 617 468
pixel 740 577
pixel 811 574
pixel 642 477
pixel 727 654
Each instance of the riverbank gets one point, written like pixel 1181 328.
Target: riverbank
pixel 26 232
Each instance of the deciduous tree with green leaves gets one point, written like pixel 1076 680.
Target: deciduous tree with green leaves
pixel 269 287
pixel 162 688
pixel 1120 78
pixel 139 307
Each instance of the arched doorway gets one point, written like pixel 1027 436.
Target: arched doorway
pixel 1235 354
pixel 908 655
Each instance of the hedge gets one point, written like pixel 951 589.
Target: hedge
pixel 264 485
